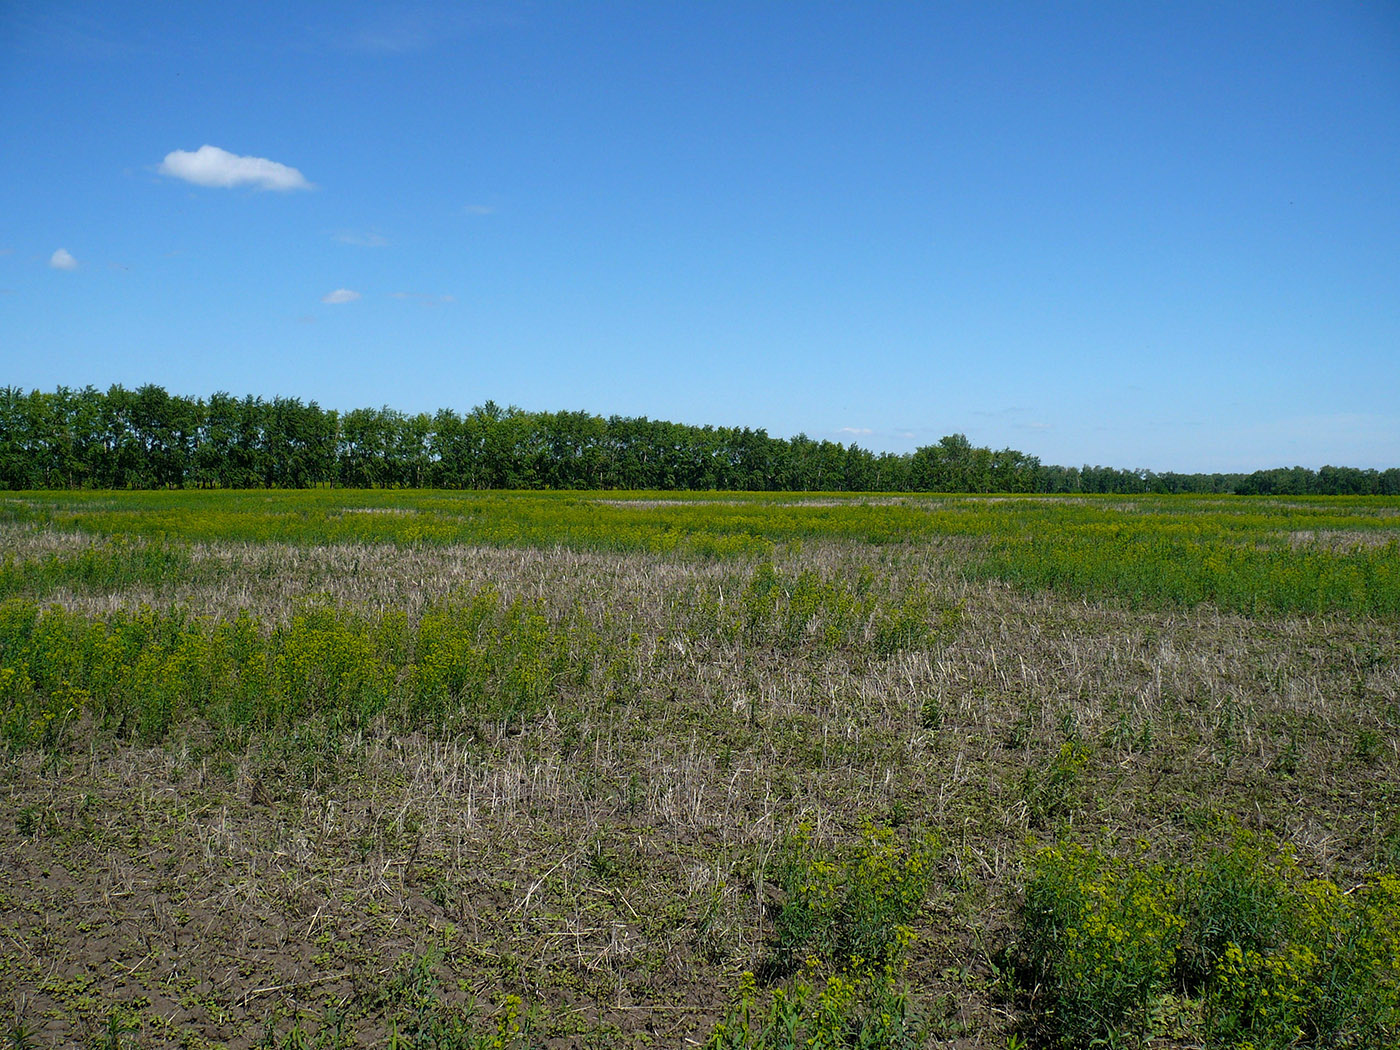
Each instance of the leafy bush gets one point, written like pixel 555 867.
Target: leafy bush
pixel 841 1013
pixel 847 913
pixel 1330 977
pixel 1272 959
pixel 143 673
pixel 848 917
pixel 1099 942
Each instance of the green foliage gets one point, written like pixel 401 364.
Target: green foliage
pixel 847 916
pixel 1234 896
pixel 122 563
pixel 1271 958
pixel 149 438
pixel 841 1013
pixel 906 626
pixel 1255 556
pixel 1245 557
pixel 469 659
pixel 1050 790
pixel 1313 966
pixel 812 611
pixel 1098 943
pixel 849 913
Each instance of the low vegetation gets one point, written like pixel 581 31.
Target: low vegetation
pixel 431 769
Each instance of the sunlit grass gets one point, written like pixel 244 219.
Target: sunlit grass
pixel 751 771
pixel 1300 555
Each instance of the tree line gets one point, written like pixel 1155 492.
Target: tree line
pixel 149 438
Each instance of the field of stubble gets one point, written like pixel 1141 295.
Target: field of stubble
pixel 431 770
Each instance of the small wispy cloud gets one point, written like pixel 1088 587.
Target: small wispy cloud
pixel 859 431
pixel 403 29
pixel 1035 426
pixel 390 40
pixel 61 260
pixel 478 209
pixel 48 29
pixel 361 240
pixel 423 299
pixel 212 166
pixel 340 295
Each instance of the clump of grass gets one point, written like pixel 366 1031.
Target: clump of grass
pixel 121 563
pixel 840 1013
pixel 1240 947
pixel 469 659
pixel 1051 790
pixel 840 934
pixel 410 1011
pixel 851 912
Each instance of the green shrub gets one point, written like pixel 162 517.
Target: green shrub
pixel 841 936
pixel 1098 944
pixel 1331 978
pixel 850 913
pixel 1235 895
pixel 872 1014
pixel 1270 958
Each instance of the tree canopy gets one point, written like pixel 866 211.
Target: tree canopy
pixel 149 438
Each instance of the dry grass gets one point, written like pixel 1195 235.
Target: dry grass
pixel 1340 539
pixel 606 860
pixel 25 543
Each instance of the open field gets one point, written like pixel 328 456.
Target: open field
pixel 336 768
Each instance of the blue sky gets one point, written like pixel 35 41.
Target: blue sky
pixel 1144 235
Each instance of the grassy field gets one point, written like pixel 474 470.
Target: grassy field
pixel 433 769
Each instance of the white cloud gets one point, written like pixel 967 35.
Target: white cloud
pixel 340 295
pixel 61 260
pixel 395 40
pixel 211 166
pixel 862 431
pixel 423 299
pixel 361 240
pixel 403 28
pixel 478 209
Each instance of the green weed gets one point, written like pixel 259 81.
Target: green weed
pixel 1110 947
pixel 1252 555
